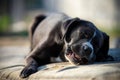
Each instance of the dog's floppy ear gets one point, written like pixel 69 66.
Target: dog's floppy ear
pixel 105 46
pixel 68 26
pixel 103 52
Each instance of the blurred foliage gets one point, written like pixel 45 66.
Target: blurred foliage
pixel 114 32
pixel 21 33
pixel 4 23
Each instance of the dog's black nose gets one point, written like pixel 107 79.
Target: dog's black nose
pixel 87 49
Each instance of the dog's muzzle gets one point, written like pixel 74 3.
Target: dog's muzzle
pixel 79 56
pixel 81 52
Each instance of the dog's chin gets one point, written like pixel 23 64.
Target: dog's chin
pixel 75 59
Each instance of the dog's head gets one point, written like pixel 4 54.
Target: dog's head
pixel 83 41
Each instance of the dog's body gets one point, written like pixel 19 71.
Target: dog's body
pixel 75 40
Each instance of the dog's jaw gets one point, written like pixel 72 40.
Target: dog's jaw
pixel 75 59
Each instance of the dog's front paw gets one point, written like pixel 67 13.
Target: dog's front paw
pixel 27 71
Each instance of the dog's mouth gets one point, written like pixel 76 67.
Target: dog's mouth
pixel 75 59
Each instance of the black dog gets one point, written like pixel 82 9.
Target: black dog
pixel 75 40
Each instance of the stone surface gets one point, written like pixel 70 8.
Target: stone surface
pixel 14 55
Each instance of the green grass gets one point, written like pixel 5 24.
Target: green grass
pixel 4 23
pixel 113 32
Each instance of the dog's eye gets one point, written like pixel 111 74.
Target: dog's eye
pixel 86 36
pixel 83 35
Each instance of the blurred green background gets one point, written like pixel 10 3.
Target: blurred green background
pixel 17 15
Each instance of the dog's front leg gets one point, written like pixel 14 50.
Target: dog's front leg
pixel 30 68
pixel 36 58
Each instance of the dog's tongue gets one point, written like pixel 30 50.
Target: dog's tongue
pixel 70 54
pixel 77 58
pixel 74 56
